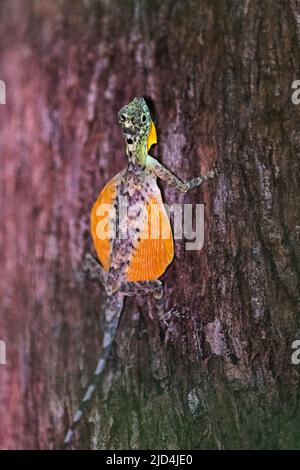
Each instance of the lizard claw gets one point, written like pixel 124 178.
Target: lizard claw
pixel 213 172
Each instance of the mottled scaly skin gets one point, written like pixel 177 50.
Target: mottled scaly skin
pixel 137 182
pixel 136 185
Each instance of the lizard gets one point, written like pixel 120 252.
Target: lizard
pixel 131 265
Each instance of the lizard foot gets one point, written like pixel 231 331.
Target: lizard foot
pixel 213 173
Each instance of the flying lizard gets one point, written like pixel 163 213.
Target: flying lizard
pixel 138 247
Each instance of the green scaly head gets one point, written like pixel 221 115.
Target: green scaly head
pixel 137 127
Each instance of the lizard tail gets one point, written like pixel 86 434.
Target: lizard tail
pixel 112 316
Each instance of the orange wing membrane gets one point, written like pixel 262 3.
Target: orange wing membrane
pixel 155 250
pixel 100 225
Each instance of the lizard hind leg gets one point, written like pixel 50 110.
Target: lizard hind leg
pixel 112 317
pixel 146 287
pixel 92 266
pixel 159 303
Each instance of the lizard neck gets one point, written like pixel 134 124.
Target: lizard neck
pixel 137 152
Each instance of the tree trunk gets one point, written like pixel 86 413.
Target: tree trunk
pixel 219 74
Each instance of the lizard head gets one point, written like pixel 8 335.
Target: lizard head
pixel 136 123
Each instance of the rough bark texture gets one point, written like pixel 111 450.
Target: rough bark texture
pixel 219 74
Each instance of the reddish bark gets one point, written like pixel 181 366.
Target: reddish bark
pixel 219 74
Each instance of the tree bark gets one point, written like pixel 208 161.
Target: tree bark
pixel 219 74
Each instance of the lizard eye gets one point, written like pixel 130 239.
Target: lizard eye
pixel 123 117
pixel 143 118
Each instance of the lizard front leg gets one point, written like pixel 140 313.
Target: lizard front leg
pixel 166 175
